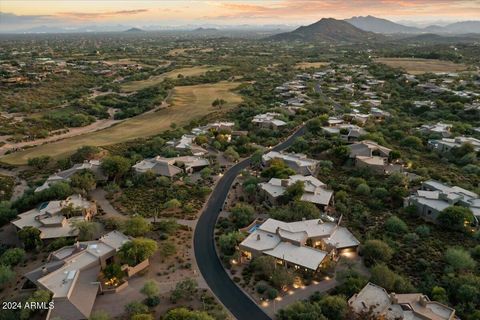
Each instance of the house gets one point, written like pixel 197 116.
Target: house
pixel 216 126
pixel 268 120
pixel 440 128
pixel 369 154
pixel 376 301
pixel 314 191
pixel 346 131
pixel 379 114
pixel 92 165
pixel 296 161
pixel 170 167
pixel 186 142
pixel 287 242
pixel 424 104
pixel 434 197
pixel 72 275
pixel 56 219
pixel 446 144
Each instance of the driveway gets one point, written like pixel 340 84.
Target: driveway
pixel 232 297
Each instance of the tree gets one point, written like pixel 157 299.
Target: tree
pixel 282 278
pixel 455 218
pixel 412 142
pixel 231 154
pixel 439 294
pixel 30 237
pixel 86 230
pixel 99 315
pixel 185 314
pixel 264 266
pixel 295 211
pixel 375 251
pixel 113 271
pixel 39 296
pixel 218 103
pixel 85 153
pixel 459 259
pixel 39 162
pixel 167 249
pixel 301 310
pixel 362 189
pixel 115 166
pixel 242 214
pixel 150 289
pixel 205 173
pixel 136 226
pixel 142 316
pixel 277 169
pixel 396 225
pixel 293 192
pixel 136 307
pixel 84 180
pixel 228 242
pixel 7 213
pixel 12 257
pixel 334 307
pixel 6 275
pixel 184 290
pixel 391 281
pixel 173 204
pixel 137 250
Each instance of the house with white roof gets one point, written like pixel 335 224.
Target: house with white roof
pixel 93 165
pixel 56 219
pixel 296 161
pixel 186 142
pixel 268 120
pixel 314 191
pixel 287 242
pixel 71 275
pixel 440 128
pixel 434 197
pixel 215 126
pixel 375 301
pixel 446 144
pixel 346 131
pixel 369 154
pixel 170 167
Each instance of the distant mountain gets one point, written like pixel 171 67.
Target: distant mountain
pixel 201 29
pixel 431 38
pixel 328 30
pixel 132 30
pixel 374 24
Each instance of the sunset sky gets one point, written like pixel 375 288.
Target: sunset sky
pixel 16 14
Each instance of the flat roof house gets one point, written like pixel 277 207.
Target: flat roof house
pixel 371 155
pixel 268 120
pixel 71 275
pixel 446 144
pixel 92 165
pixel 439 128
pixel 170 167
pixel 315 191
pixel 52 220
pixel 434 197
pixel 296 161
pixel 346 131
pixel 376 301
pixel 287 242
pixel 186 142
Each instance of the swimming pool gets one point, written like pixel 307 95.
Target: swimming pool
pixel 253 228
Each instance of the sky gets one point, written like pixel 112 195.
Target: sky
pixel 18 14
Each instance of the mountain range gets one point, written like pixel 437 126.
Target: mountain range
pixel 378 25
pixel 328 30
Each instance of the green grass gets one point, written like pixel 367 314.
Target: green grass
pixel 187 103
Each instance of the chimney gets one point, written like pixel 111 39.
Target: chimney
pixel 393 298
pixel 44 270
pixel 77 244
pixel 423 301
pixel 258 237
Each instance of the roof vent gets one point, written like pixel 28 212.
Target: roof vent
pixel 258 237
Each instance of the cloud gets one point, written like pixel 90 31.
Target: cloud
pixel 10 18
pixel 312 9
pixel 96 15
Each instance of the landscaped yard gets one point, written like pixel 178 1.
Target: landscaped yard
pixel 420 66
pixel 187 103
pixel 186 72
pixel 306 65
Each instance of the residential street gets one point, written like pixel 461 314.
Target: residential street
pixel 234 299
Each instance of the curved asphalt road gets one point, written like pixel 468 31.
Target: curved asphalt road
pixel 234 299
